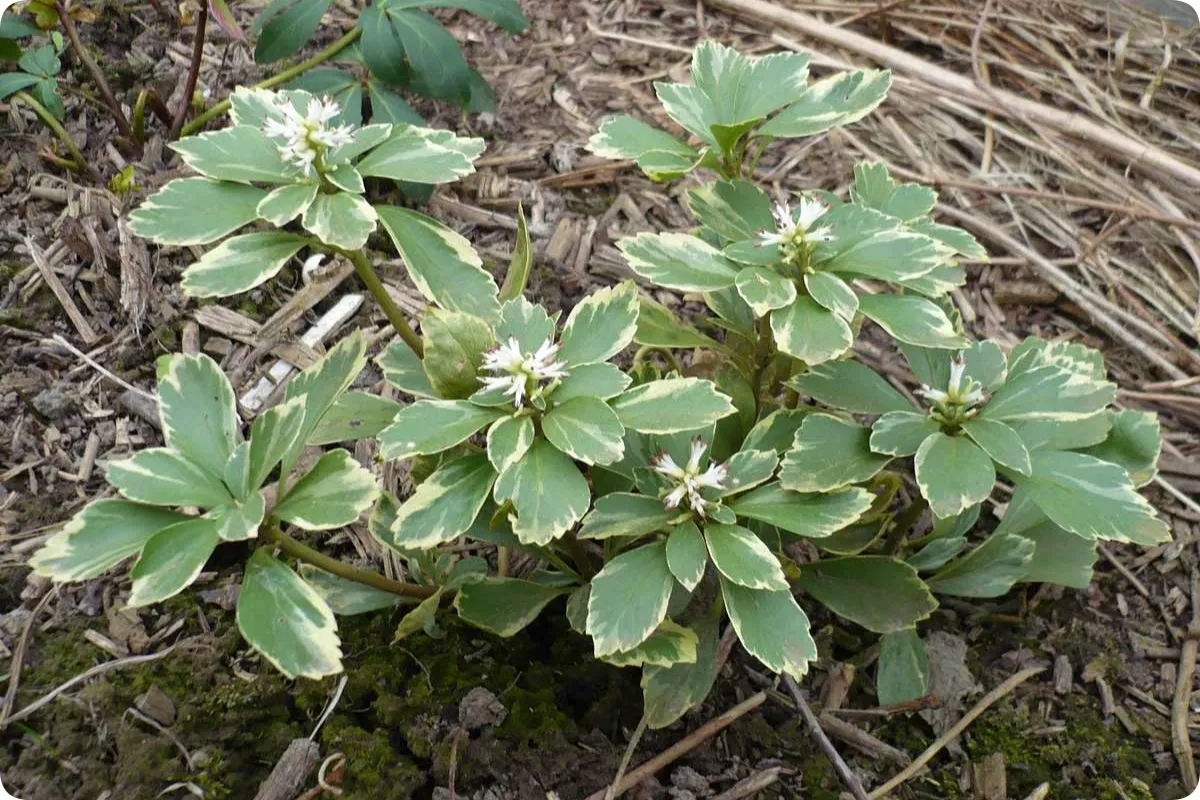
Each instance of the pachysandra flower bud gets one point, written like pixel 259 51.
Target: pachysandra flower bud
pixel 306 136
pixel 520 375
pixel 688 481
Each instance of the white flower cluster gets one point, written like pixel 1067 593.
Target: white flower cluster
pixel 798 230
pixel 307 135
pixel 518 371
pixel 688 480
pixel 957 392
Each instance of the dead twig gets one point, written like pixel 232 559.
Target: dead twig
pixel 684 745
pixel 810 719
pixel 193 72
pixel 946 738
pixel 18 660
pixel 1181 742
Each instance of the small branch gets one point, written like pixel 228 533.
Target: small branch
pixel 580 556
pixel 193 72
pixel 903 525
pixel 684 745
pixel 954 732
pixel 1181 742
pixel 278 78
pixel 110 100
pixel 390 310
pixel 633 743
pixel 54 125
pixel 814 727
pixel 343 570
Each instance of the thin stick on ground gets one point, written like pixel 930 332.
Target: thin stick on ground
pixel 56 127
pixel 110 100
pixel 684 745
pixel 632 746
pixel 949 736
pixel 839 766
pixel 1181 742
pixel 193 72
pixel 18 660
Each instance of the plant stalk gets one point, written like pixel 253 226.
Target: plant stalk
pixel 296 549
pixel 54 125
pixel 580 556
pixel 903 524
pixel 392 311
pixel 110 100
pixel 280 77
pixel 193 73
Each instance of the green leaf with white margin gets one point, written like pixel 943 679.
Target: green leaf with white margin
pixel 528 322
pixel 1092 498
pixel 833 293
pixel 403 369
pixel 1052 434
pixel 668 692
pixel 422 155
pixel 629 599
pixel 880 593
pixel 1061 557
pixel 250 106
pixel 516 277
pixel 346 178
pixel 442 263
pixel 172 560
pixel 169 215
pixel 101 535
pixel 886 255
pixel 874 188
pixel 806 331
pixel 671 406
pixel 428 427
pixel 658 326
pixel 660 155
pixel 1048 393
pixel 285 203
pixel 271 437
pixel 240 263
pixel 670 644
pixel 321 384
pixel 507 441
pixel 990 570
pixel 623 514
pixel 354 416
pixel 687 554
pixel 901 433
pixel 776 430
pixel 600 326
pixel 772 627
pixel 196 407
pixel 850 385
pixel 678 261
pixel 287 620
pixel 423 617
pixel 161 476
pixel 504 606
pixel 237 471
pixel 341 219
pixel 239 520
pixel 363 139
pixel 903 670
pixel 742 557
pixel 547 490
pixel 240 154
pixel 813 516
pixel 1134 442
pixel 1000 442
pixel 1033 352
pixel 727 85
pixel 764 290
pixel 935 554
pixel 345 597
pixel 333 493
pixel 454 346
pixel 735 210
pixel 912 319
pixel 840 99
pixel 585 429
pixel 747 469
pixel 444 505
pixel 829 453
pixel 954 473
pixel 958 240
pixel 601 381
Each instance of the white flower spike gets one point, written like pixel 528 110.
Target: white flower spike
pixel 957 393
pixel 307 135
pixel 791 230
pixel 522 375
pixel 689 480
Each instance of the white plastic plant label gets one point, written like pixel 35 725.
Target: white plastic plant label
pixel 4 795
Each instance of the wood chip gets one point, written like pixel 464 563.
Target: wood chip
pixel 85 329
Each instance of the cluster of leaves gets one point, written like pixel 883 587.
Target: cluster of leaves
pixel 656 501
pixel 247 177
pixel 401 45
pixel 37 67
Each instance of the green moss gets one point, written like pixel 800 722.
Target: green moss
pixel 374 770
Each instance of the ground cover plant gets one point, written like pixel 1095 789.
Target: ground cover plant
pixel 657 493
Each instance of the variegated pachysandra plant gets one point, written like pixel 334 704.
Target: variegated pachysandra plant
pixel 744 465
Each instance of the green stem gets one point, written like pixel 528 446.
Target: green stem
pixel 53 124
pixel 581 557
pixel 903 524
pixel 278 78
pixel 762 355
pixel 272 534
pixel 392 311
